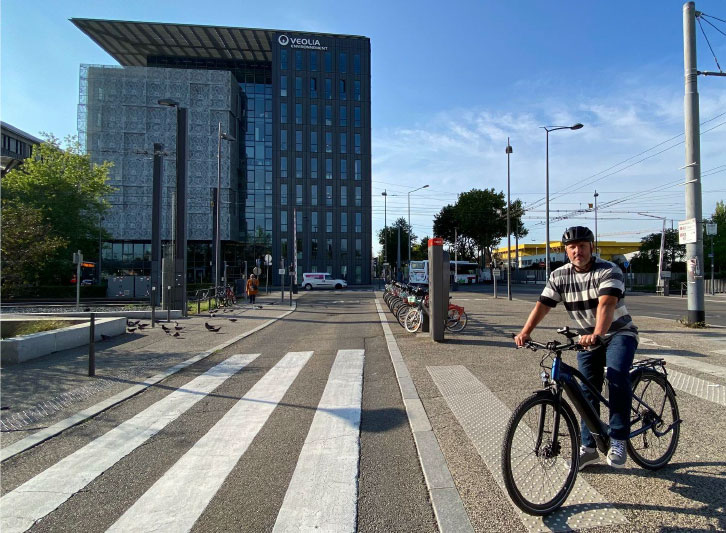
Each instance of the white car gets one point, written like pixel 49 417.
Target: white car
pixel 322 280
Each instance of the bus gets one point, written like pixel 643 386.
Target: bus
pixel 466 272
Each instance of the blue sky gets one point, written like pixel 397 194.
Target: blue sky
pixel 450 82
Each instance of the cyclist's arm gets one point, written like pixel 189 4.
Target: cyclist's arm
pixel 535 317
pixel 603 319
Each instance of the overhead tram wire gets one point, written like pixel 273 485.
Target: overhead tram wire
pixel 698 19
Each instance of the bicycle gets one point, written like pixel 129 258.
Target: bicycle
pixel 540 453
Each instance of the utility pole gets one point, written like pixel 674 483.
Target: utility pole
pixel 398 255
pixel 596 195
pixel 694 250
pixel 509 229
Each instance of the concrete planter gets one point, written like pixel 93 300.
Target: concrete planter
pixel 26 347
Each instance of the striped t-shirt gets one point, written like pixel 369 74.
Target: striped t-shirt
pixel 580 291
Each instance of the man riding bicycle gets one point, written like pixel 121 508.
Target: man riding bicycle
pixel 592 290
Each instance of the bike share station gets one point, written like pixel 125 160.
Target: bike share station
pixel 439 274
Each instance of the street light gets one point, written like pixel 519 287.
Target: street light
pixel 596 195
pixel 548 129
pixel 218 200
pixel 508 151
pixel 180 252
pixel 409 224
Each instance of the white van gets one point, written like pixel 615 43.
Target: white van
pixel 321 280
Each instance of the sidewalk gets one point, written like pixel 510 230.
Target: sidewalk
pixel 40 392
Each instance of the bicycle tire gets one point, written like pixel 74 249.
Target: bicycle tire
pixel 648 449
pixel 401 315
pixel 413 320
pixel 521 437
pixel 458 324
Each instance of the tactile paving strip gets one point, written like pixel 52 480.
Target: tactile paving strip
pixel 484 418
pixel 712 392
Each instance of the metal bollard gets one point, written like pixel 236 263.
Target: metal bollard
pixel 92 347
pixel 153 307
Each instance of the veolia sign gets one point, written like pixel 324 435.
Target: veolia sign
pixel 310 43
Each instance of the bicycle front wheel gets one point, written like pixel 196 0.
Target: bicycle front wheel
pixel 655 408
pixel 539 467
pixel 456 320
pixel 413 320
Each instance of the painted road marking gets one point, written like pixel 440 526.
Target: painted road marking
pixel 37 497
pixel 323 491
pixel 180 496
pixel 484 418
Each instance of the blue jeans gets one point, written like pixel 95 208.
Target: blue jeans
pixel 617 355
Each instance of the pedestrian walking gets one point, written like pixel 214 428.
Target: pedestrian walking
pixel 252 288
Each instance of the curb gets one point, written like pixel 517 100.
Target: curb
pixel 445 499
pixel 57 428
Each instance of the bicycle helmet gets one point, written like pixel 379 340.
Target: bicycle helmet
pixel 577 234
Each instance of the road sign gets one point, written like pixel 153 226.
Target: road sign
pixel 268 260
pixel 687 233
pixel 626 264
pixel 497 272
pixel 256 271
pixel 710 229
pixel 281 271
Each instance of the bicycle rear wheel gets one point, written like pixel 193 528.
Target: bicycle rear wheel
pixel 401 315
pixel 654 406
pixel 456 321
pixel 540 468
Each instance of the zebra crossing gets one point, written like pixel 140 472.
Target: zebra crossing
pixel 322 493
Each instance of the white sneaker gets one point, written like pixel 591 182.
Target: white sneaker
pixel 588 456
pixel 617 455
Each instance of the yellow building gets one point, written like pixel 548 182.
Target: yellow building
pixel 533 253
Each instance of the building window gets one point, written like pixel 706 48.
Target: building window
pixel 314 248
pixel 298 140
pixel 314 167
pixel 343 62
pixel 343 195
pixel 328 142
pixel 298 86
pixel 314 61
pixel 343 117
pixel 358 274
pixel 328 92
pixel 283 248
pixel 313 114
pixel 283 85
pixel 298 60
pixel 343 249
pixel 283 194
pixel 298 196
pixel 358 225
pixel 298 167
pixel 343 143
pixel 358 197
pixel 328 115
pixel 283 220
pixel 314 219
pixel 328 169
pixel 358 174
pixel 283 139
pixel 313 141
pixel 328 62
pixel 329 221
pixel 341 89
pixel 298 114
pixel 356 63
pixel 314 195
pixel 356 90
pixel 283 166
pixel 358 249
pixel 329 195
pixel 356 116
pixel 313 87
pixel 283 59
pixel 343 169
pixel 357 143
pixel 343 222
pixel 283 113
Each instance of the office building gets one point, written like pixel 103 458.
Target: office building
pixel 297 105
pixel 16 146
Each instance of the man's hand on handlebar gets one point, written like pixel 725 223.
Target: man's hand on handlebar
pixel 590 340
pixel 521 339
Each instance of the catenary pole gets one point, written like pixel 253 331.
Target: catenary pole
pixel 509 229
pixel 694 250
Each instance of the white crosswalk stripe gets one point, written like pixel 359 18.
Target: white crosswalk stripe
pixel 180 496
pixel 42 494
pixel 323 492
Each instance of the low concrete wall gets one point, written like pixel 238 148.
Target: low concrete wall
pixel 19 349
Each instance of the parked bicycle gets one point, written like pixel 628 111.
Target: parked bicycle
pixel 540 454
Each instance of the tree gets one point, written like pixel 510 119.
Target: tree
pixel 647 258
pixel 392 236
pixel 719 240
pixel 65 193
pixel 420 250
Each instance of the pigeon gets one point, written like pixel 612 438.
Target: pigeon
pixel 177 326
pixel 176 334
pixel 132 322
pixel 233 320
pixel 212 328
pixel 131 330
pixel 142 326
pixel 165 328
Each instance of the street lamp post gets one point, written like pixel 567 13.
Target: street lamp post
pixel 508 151
pixel 217 215
pixel 548 129
pixel 596 195
pixel 409 224
pixel 385 226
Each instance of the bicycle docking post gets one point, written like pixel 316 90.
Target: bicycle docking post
pixel 438 289
pixel 92 347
